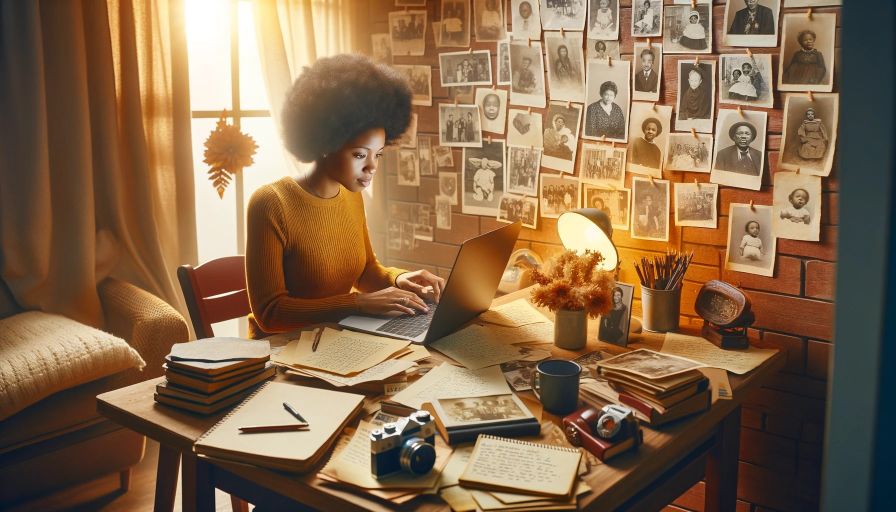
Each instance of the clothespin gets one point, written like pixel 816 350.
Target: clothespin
pixel 750 53
pixel 562 33
pixel 568 104
pixel 471 50
pixel 653 107
pixel 809 13
pixel 612 144
pixel 696 60
pixel 694 133
pixel 740 111
pixel 494 87
pixel 609 61
pixel 797 170
pixel 651 180
pixel 811 97
pixel 648 43
pixel 455 101
pixel 752 206
pixel 529 39
pixel 489 139
pixel 693 4
pixel 529 110
pixel 697 183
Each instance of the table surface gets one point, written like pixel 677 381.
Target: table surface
pixel 612 483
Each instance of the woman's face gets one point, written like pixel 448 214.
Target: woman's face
pixel 694 79
pixel 559 123
pixel 693 19
pixel 562 52
pixel 617 298
pixel 608 96
pixel 354 164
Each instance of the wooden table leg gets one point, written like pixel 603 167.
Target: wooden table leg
pixel 197 490
pixel 166 478
pixel 721 466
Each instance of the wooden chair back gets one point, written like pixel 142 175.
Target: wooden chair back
pixel 214 291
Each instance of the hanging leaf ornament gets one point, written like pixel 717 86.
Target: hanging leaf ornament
pixel 227 151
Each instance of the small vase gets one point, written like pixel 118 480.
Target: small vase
pixel 570 329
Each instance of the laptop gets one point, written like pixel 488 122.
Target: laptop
pixel 469 291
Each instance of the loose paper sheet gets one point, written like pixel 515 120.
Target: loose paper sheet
pixel 472 347
pixel 701 350
pixel 513 314
pixel 449 381
pixel 458 498
pixel 346 352
pixel 542 332
pixel 416 353
pixel 721 386
pixel 456 465
pixel 379 372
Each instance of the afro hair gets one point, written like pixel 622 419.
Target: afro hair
pixel 338 98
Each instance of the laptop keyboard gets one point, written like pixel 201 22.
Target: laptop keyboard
pixel 409 325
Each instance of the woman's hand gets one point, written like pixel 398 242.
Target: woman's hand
pixel 423 283
pixel 390 300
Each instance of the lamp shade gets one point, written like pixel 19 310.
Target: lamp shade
pixel 589 229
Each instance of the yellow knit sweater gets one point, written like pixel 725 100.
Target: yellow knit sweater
pixel 304 256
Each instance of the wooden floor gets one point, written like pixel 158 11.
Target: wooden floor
pixel 103 495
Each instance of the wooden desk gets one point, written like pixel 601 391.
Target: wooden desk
pixel 670 461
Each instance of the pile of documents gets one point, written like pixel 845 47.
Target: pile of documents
pixel 211 374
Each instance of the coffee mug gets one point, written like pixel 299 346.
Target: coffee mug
pixel 556 384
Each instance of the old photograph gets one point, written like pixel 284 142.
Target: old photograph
pixel 420 79
pixel 647 72
pixel 607 101
pixel 408 240
pixel 410 3
pixel 458 412
pixel 810 133
pixel 462 94
pixel 807 53
pixel 565 14
pixel 393 238
pixel 492 109
pixel 519 208
pixel 614 326
pixel 488 20
pixel 751 23
pixel 566 66
pixel 689 152
pixel 695 205
pixel 695 99
pixel 503 63
pixel 483 178
pixel 561 136
pixel 443 212
pixel 519 374
pixel 603 20
pixel 424 152
pixel 522 171
pixel 614 202
pixel 524 128
pixel 797 206
pixel 811 3
pixel 448 186
pixel 465 68
pixel 459 126
pixel 688 28
pixel 650 364
pixel 424 231
pixel 650 209
pixel 647 18
pixel 603 164
pixel 751 240
pixel 602 50
pixel 746 80
pixel 525 18
pixel 408 168
pixel 407 30
pixel 558 195
pixel 527 75
pixel 381 46
pixel 739 159
pixel 443 156
pixel 455 28
pixel 648 135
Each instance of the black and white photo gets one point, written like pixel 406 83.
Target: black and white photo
pixel 443 156
pixel 483 178
pixel 613 202
pixel 407 30
pixel 381 46
pixel 462 94
pixel 561 136
pixel 481 410
pixel 465 68
pixel 527 75
pixel 688 28
pixel 695 100
pixel 448 186
pixel 408 168
pixel 751 240
pixel 603 164
pixel 420 80
pixel 807 53
pixel 524 128
pixel 739 158
pixel 455 28
pixel 695 205
pixel 558 195
pixel 503 63
pixel 650 209
pixel 566 66
pixel 565 14
pixel 607 101
pixel 614 326
pixel 522 171
pixel 796 207
pixel 603 19
pixel 443 212
pixel 515 208
pixel 525 17
pixel 647 72
pixel 488 20
pixel 649 133
pixel 410 3
pixel 424 152
pixel 459 126
pixel 746 80
pixel 601 50
pixel 492 109
pixel 689 152
pixel 751 23
pixel 809 133
pixel 647 18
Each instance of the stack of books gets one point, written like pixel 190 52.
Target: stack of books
pixel 659 388
pixel 208 375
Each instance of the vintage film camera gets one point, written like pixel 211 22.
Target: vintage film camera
pixel 605 432
pixel 406 445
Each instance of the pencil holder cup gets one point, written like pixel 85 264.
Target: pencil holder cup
pixel 660 309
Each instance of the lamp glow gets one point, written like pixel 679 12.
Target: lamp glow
pixel 589 229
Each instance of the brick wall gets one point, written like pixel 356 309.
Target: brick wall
pixel 782 423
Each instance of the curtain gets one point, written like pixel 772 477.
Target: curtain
pixel 95 158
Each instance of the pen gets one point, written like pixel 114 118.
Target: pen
pixel 294 412
pixel 273 428
pixel 317 339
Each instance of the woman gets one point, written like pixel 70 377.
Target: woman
pixel 604 117
pixel 644 151
pixel 694 35
pixel 564 71
pixel 807 64
pixel 553 136
pixel 308 252
pixel 612 325
pixel 696 100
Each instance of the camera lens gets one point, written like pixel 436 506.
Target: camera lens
pixel 417 456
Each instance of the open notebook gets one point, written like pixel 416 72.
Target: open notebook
pixel 327 413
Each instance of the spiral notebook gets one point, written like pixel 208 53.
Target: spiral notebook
pixel 327 413
pixel 500 464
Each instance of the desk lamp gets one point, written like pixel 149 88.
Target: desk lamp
pixel 589 229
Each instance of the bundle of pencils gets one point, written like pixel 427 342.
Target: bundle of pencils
pixel 663 272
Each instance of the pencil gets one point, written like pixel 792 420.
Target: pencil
pixel 314 345
pixel 257 429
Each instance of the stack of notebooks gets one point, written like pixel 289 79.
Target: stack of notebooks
pixel 208 375
pixel 658 387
